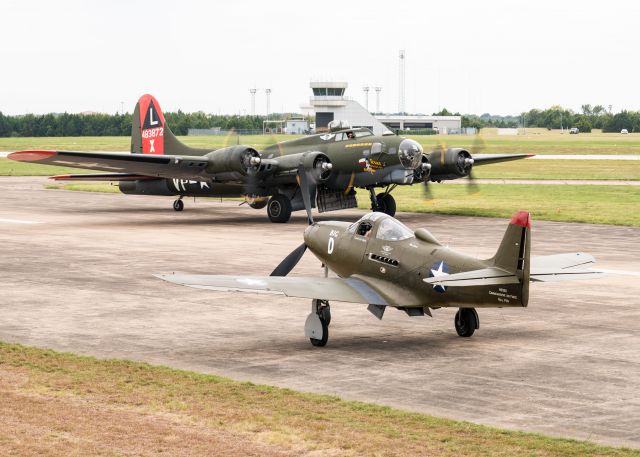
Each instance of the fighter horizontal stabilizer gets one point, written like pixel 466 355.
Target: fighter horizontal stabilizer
pixel 483 277
pixel 563 267
pixel 351 290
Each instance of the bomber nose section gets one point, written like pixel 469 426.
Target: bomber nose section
pixel 410 153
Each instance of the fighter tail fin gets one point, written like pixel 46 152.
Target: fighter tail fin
pixel 150 133
pixel 513 255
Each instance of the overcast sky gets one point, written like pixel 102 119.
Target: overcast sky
pixel 501 57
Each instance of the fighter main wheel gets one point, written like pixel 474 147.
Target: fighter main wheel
pixel 279 208
pixel 178 205
pixel 466 322
pixel 386 204
pixel 325 335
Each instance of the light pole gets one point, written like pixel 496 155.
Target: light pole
pixel 378 89
pixel 366 97
pixel 268 92
pixel 253 101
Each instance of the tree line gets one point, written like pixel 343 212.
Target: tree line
pixel 590 117
pixel 66 124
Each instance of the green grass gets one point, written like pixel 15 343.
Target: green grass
pixel 537 141
pixel 212 405
pixel 86 187
pixel 615 205
pixel 561 169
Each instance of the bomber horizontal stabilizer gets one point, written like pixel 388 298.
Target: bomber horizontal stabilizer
pixel 102 177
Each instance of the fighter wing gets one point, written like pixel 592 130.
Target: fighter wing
pixel 484 159
pixel 563 267
pixel 157 165
pixel 351 290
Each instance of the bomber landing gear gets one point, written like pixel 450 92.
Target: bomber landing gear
pixel 317 325
pixel 178 205
pixel 466 322
pixel 258 203
pixel 383 202
pixel 279 208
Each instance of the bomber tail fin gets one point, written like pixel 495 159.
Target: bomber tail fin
pixel 150 133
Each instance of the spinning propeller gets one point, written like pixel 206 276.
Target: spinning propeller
pixel 314 167
pixel 462 164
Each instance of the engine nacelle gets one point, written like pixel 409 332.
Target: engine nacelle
pixel 422 171
pixel 450 164
pixel 315 161
pixel 240 159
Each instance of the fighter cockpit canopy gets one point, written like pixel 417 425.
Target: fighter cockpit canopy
pixel 383 226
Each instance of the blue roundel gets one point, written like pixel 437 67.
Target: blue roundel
pixel 437 270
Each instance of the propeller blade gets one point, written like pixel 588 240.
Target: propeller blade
pixel 426 190
pixel 477 148
pixel 290 261
pixel 472 186
pixel 308 189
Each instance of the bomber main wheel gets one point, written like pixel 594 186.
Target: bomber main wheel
pixel 279 208
pixel 178 205
pixel 325 335
pixel 466 322
pixel 386 204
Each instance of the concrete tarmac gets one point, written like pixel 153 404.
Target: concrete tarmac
pixel 77 276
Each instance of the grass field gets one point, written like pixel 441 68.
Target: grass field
pixel 613 205
pixel 62 404
pixel 591 204
pixel 537 141
pixel 524 169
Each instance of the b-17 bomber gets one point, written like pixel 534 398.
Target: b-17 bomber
pixel 328 167
pixel 379 262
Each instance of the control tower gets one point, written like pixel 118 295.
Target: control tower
pixel 329 103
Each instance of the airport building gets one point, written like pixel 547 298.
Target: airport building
pixel 329 103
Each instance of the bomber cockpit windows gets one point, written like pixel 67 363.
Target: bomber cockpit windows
pixel 392 230
pixel 362 133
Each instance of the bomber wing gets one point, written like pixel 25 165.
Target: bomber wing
pixel 485 159
pixel 156 165
pixel 350 290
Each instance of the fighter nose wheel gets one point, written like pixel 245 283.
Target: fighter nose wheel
pixel 178 205
pixel 466 322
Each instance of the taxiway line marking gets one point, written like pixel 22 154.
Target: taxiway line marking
pixel 18 221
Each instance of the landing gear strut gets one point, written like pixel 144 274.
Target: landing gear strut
pixel 383 202
pixel 466 322
pixel 178 204
pixel 317 325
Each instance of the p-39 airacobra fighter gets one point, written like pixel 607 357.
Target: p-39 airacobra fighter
pixel 335 164
pixel 382 263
